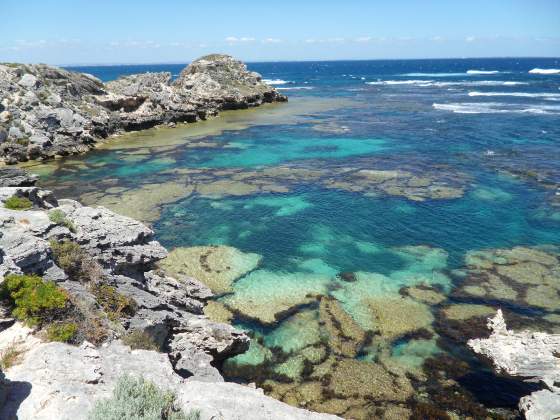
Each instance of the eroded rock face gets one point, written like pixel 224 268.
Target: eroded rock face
pixel 529 355
pixel 48 111
pixel 169 309
pixel 59 381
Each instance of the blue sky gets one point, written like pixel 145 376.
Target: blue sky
pixel 142 31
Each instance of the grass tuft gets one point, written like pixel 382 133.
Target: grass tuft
pixel 18 203
pixel 59 217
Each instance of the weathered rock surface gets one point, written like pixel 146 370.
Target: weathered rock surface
pixel 47 111
pixel 59 381
pixel 168 309
pixel 15 177
pixel 526 354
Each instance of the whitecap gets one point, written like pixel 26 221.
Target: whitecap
pixel 544 71
pixel 432 83
pixel 276 82
pixel 295 88
pixel 399 82
pixel 482 72
pixel 432 74
pixel 551 96
pixel 495 108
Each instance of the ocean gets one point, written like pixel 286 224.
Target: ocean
pixel 363 231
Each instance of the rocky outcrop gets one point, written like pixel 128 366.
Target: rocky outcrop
pixel 59 381
pixel 123 255
pixel 527 354
pixel 47 111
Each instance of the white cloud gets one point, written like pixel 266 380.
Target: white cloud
pixel 271 41
pixel 363 39
pixel 234 39
pixel 470 39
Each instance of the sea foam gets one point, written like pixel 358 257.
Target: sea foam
pixel 544 71
pixel 432 83
pixel 433 74
pixel 276 82
pixel 399 82
pixel 482 72
pixel 295 88
pixel 550 96
pixel 495 108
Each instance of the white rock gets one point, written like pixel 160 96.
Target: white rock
pixel 529 355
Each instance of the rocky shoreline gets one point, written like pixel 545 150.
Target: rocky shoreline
pixel 118 254
pixel 46 112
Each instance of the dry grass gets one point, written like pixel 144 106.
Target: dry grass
pixel 10 356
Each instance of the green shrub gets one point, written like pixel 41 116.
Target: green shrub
pixel 18 203
pixel 63 332
pixel 59 217
pixel 140 340
pixel 34 300
pixel 139 399
pixel 115 304
pixel 69 256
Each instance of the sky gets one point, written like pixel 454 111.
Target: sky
pixel 67 32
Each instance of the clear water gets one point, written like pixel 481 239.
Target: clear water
pixel 497 136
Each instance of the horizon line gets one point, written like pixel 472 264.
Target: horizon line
pixel 169 63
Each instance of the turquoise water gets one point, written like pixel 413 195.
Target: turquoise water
pixel 296 192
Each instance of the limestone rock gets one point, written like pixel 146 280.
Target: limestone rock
pixel 118 242
pixel 58 112
pixel 529 355
pixel 59 381
pixel 15 177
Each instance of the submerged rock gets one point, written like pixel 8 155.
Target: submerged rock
pixel 521 275
pixel 216 266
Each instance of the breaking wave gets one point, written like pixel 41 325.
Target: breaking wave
pixel 482 71
pixel 544 71
pixel 295 88
pixel 495 108
pixel 432 83
pixel 276 82
pixel 550 96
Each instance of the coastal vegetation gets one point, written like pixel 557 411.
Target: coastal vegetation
pixel 18 203
pixel 140 399
pixel 140 340
pixel 57 216
pixel 34 301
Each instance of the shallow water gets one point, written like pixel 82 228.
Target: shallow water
pixel 391 172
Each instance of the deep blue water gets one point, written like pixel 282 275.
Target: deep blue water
pixel 487 125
